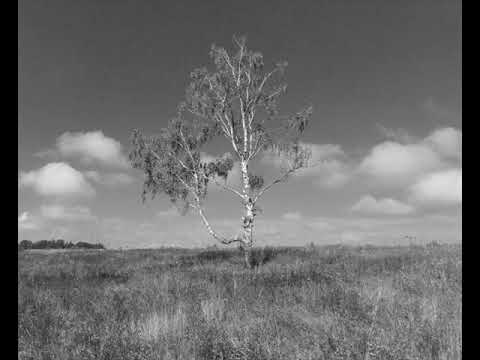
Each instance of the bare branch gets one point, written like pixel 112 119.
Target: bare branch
pixel 257 147
pixel 229 188
pixel 227 59
pixel 239 60
pixel 279 90
pixel 186 147
pixel 264 81
pixel 232 137
pixel 279 180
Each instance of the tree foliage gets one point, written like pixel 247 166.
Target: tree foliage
pixel 236 100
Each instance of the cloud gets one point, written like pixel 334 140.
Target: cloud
pixel 27 222
pixel 439 188
pixel 292 216
pixel 60 212
pixel 393 163
pixel 328 165
pixel 189 231
pixel 328 169
pixel 368 204
pixel 57 179
pixel 400 161
pixel 319 153
pixel 111 179
pixel 92 147
pixel 447 142
pixel 23 217
pixel 332 174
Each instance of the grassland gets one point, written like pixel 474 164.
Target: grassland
pixel 300 303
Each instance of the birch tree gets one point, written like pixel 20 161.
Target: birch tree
pixel 236 100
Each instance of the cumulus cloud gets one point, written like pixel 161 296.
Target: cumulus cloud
pixel 328 165
pixel 92 147
pixel 110 179
pixel 60 212
pixel 332 174
pixel 57 179
pixel 27 222
pixel 391 161
pixel 368 204
pixel 395 163
pixel 439 188
pixel 447 142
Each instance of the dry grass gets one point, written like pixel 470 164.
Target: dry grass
pixel 299 303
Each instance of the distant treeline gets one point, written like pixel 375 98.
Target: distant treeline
pixel 57 244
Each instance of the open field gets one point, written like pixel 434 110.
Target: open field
pixel 301 303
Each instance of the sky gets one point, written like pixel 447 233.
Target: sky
pixel 384 79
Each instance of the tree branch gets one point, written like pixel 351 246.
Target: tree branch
pixel 229 188
pixel 279 180
pixel 232 132
pixel 214 234
pixel 172 155
pixel 265 79
pixel 187 148
pixel 245 131
pixel 227 59
pixel 257 147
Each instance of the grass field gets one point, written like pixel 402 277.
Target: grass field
pixel 301 303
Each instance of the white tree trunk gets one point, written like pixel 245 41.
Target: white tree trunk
pixel 246 182
pixel 249 214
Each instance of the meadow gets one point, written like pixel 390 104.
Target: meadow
pixel 330 302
